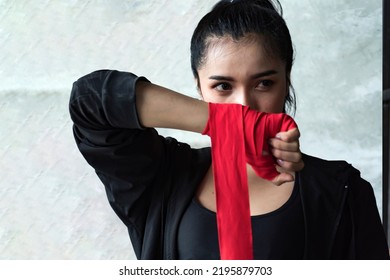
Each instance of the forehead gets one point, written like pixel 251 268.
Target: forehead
pixel 245 55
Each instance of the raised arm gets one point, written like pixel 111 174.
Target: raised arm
pixel 134 163
pixel 160 107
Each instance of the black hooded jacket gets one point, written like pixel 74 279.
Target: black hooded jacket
pixel 150 179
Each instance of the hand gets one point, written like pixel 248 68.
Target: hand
pixel 285 148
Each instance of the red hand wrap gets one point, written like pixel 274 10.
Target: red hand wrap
pixel 239 136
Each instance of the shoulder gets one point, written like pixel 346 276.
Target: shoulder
pixel 338 170
pixel 333 177
pixel 324 163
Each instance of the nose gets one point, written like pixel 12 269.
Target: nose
pixel 245 97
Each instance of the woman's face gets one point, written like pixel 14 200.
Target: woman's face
pixel 241 72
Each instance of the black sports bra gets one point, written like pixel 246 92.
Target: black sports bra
pixel 276 235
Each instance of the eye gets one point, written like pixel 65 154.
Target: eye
pixel 223 87
pixel 265 84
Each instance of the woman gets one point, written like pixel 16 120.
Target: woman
pixel 164 191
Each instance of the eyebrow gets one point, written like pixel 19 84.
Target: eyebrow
pixel 255 76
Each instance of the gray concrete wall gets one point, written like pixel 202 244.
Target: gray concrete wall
pixel 52 204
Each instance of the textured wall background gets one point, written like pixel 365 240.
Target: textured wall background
pixel 52 204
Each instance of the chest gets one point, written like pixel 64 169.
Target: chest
pixel 278 234
pixel 264 196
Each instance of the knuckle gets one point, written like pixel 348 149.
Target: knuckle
pixel 296 146
pixel 274 143
pixel 298 157
pixel 288 165
pixel 277 153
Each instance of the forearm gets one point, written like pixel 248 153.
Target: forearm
pixel 160 107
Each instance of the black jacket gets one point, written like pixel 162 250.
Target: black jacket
pixel 150 179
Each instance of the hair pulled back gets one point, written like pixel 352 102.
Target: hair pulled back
pixel 238 18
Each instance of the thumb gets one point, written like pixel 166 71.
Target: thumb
pixel 282 178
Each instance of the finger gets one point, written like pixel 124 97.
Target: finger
pixel 291 166
pixel 284 146
pixel 287 155
pixel 282 178
pixel 289 136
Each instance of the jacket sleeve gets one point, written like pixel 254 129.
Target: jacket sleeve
pixel 369 235
pixel 126 157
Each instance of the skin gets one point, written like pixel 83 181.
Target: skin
pixel 261 84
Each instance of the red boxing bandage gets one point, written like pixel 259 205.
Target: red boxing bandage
pixel 238 136
pixel 258 128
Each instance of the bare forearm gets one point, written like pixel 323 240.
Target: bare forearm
pixel 160 107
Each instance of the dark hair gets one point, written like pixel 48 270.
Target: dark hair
pixel 238 18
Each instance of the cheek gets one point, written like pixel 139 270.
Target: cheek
pixel 207 96
pixel 205 92
pixel 280 97
pixel 271 102
pixel 278 102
